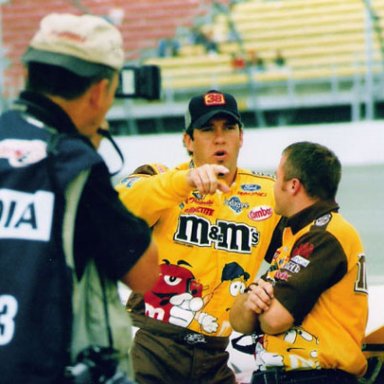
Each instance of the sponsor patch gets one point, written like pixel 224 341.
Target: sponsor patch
pixel 260 213
pixel 22 152
pixel 304 250
pixel 235 204
pixel 129 181
pixel 202 210
pixel 323 220
pixel 292 267
pixel 250 187
pixel 224 235
pixel 257 193
pixel 300 260
pixel 196 200
pixel 282 275
pixel 276 254
pixel 26 215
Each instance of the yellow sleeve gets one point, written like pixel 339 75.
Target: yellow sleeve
pixel 148 196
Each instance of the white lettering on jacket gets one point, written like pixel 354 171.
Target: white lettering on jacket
pixel 26 215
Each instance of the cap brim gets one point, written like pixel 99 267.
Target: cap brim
pixel 71 63
pixel 202 120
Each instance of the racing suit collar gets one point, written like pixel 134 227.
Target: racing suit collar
pixel 304 217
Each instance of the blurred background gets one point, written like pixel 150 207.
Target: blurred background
pixel 300 69
pixel 289 62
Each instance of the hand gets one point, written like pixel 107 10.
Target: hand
pixel 208 322
pixel 259 296
pixel 184 308
pixel 206 179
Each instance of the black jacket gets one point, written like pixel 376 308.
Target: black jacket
pixel 40 154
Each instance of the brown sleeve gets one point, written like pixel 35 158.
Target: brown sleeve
pixel 327 264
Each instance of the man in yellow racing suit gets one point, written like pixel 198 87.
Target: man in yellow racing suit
pixel 211 246
pixel 309 311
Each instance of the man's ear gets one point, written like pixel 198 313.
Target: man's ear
pixel 97 92
pixel 188 142
pixel 296 185
pixel 241 137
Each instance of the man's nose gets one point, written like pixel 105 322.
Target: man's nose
pixel 219 134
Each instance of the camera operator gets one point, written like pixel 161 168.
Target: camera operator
pixel 49 165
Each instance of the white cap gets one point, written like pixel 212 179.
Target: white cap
pixel 80 44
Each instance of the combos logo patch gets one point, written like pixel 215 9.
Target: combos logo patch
pixel 260 213
pixel 236 204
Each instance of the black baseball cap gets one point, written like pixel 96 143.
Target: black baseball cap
pixel 203 107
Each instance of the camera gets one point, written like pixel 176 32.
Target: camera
pixel 96 365
pixel 139 82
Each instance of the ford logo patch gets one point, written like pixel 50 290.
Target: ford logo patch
pixel 250 187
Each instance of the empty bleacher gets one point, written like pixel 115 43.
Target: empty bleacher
pixel 333 52
pixel 142 24
pixel 317 38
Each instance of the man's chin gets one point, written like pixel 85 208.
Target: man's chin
pixel 220 162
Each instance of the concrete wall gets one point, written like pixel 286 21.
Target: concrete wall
pixel 354 143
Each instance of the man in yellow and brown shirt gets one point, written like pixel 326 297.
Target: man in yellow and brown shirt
pixel 211 245
pixel 309 310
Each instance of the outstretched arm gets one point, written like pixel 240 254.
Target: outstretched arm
pixel 147 197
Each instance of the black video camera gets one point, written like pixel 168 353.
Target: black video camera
pixel 139 82
pixel 96 365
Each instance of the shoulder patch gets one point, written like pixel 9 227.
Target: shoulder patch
pixel 323 220
pixel 130 180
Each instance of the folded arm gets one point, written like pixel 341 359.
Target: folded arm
pixel 259 311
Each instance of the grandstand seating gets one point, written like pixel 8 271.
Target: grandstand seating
pixel 318 38
pixel 144 22
pixel 324 43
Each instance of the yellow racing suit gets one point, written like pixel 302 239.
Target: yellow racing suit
pixel 210 246
pixel 319 276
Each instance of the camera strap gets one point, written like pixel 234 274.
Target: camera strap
pixel 107 135
pixel 106 312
